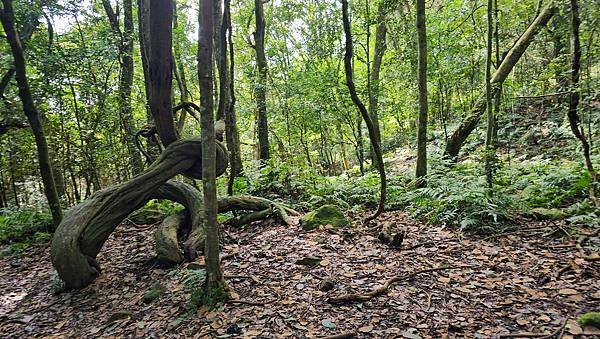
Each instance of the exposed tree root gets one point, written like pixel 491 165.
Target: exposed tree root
pixel 165 237
pixel 357 297
pixel 84 230
pixel 556 333
pixel 168 250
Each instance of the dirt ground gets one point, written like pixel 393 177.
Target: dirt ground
pixel 532 282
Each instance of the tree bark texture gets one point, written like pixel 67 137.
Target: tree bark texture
pixel 361 107
pixel 458 137
pixel 421 170
pixel 161 68
pixel 231 127
pixel 489 147
pixel 374 76
pixel 8 22
pixel 143 19
pixel 260 90
pixel 214 274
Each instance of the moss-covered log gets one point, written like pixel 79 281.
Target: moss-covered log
pixel 84 230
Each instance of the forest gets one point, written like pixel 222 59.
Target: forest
pixel 299 168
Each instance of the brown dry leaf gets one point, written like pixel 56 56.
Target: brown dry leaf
pixel 567 291
pixel 365 329
pixel 522 321
pixel 573 327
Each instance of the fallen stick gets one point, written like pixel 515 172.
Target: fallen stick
pixel 353 297
pixel 346 335
pixel 535 335
pixel 251 302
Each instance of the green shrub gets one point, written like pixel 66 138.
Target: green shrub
pixel 547 184
pixel 458 197
pixel 21 225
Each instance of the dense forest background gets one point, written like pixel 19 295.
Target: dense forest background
pixel 487 113
pixel 315 132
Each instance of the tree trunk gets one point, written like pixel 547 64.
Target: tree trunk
pixel 143 19
pixel 161 68
pixel 361 107
pixel 489 147
pixel 421 170
pixel 214 274
pixel 179 71
pixel 231 128
pixel 125 47
pixel 220 57
pixel 260 90
pixel 380 48
pixel 33 116
pixel 573 115
pixel 467 126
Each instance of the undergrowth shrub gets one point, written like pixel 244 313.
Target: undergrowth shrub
pixel 544 183
pixel 23 225
pixel 456 194
pixel 458 197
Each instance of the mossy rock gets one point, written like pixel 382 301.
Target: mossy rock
pixel 147 215
pixel 548 213
pixel 590 319
pixel 154 292
pixel 324 215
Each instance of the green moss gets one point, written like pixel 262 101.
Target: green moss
pixel 324 215
pixel 154 292
pixel 548 213
pixel 590 319
pixel 210 299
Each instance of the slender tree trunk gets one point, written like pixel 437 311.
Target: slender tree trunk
pixel 143 18
pixel 33 116
pixel 421 171
pixel 231 128
pixel 214 275
pixel 260 90
pixel 467 126
pixel 489 147
pixel 220 57
pixel 380 48
pixel 180 73
pixel 125 47
pixel 573 115
pixel 161 68
pixel 360 149
pixel 3 200
pixel 361 107
pixel 13 180
pixel 497 90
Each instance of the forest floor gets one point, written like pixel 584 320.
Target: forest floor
pixel 531 282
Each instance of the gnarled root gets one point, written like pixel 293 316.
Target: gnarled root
pixel 86 227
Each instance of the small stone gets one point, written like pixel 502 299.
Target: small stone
pixel 326 285
pixel 233 329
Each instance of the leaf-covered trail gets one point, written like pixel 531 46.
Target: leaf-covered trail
pixel 511 287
